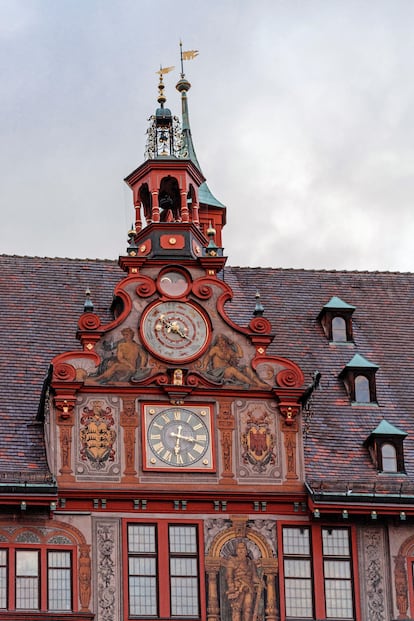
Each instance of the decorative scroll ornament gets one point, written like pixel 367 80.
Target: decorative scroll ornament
pixel 64 372
pixel 89 321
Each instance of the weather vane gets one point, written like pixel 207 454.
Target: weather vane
pixel 163 70
pixel 186 55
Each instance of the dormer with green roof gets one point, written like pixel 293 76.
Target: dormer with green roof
pixel 385 445
pixel 359 377
pixel 336 320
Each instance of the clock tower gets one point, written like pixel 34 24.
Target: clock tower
pixel 174 429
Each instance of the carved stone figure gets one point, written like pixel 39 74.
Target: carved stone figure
pixel 244 585
pixel 128 362
pixel 222 363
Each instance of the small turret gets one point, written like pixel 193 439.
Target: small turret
pixel 173 204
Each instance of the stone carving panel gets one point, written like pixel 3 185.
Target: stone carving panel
pixel 257 448
pixel 241 567
pixel 97 439
pixel 373 574
pixel 107 570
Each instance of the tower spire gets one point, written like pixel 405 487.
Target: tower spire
pixel 188 150
pixel 183 86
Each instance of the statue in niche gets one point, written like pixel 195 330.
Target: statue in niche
pixel 125 360
pixel 222 363
pixel 244 585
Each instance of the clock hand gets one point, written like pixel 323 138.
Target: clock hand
pixel 177 447
pixel 172 326
pixel 179 436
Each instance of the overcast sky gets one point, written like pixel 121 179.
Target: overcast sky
pixel 301 113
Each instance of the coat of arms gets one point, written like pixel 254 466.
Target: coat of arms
pixel 97 434
pixel 258 442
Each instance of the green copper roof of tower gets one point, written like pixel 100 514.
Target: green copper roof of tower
pixel 205 195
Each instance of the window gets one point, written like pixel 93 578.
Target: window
pixel 184 571
pixel 389 458
pixel 362 391
pixel 336 320
pixel 59 580
pixel 35 579
pixel 3 579
pixel 27 579
pixel 298 572
pixel 359 379
pixel 337 573
pixel 385 445
pixel 339 330
pixel 317 585
pixel 163 570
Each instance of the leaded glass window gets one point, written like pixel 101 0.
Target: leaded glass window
pixel 184 571
pixel 337 573
pixel 298 572
pixel 59 580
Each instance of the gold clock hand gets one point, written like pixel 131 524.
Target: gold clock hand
pixel 181 437
pixel 172 326
pixel 177 447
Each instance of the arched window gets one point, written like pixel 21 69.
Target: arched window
pixel 339 329
pixel 362 391
pixel 389 458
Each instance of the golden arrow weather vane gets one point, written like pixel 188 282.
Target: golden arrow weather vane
pixel 184 55
pixel 163 70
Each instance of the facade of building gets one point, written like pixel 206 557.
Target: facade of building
pixel 177 446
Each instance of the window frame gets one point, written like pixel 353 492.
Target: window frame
pixel 298 557
pixel 397 444
pixel 11 549
pixel 317 570
pixel 326 318
pixel 163 556
pixel 366 388
pixel 337 558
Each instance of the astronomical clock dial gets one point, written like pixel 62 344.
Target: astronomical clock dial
pixel 178 438
pixel 174 331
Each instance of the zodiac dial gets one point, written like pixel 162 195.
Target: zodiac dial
pixel 174 331
pixel 178 437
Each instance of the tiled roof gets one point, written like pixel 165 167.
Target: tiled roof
pixel 42 300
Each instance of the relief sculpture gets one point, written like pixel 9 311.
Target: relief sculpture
pixel 123 360
pixel 223 363
pixel 97 435
pixel 258 442
pixel 244 585
pixel 241 569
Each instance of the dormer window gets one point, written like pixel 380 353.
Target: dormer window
pixel 385 445
pixel 362 389
pixel 336 320
pixel 389 457
pixel 359 378
pixel 339 332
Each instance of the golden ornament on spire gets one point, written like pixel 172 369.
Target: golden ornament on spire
pixel 190 54
pixel 164 70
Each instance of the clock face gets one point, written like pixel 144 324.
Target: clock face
pixel 178 438
pixel 174 331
